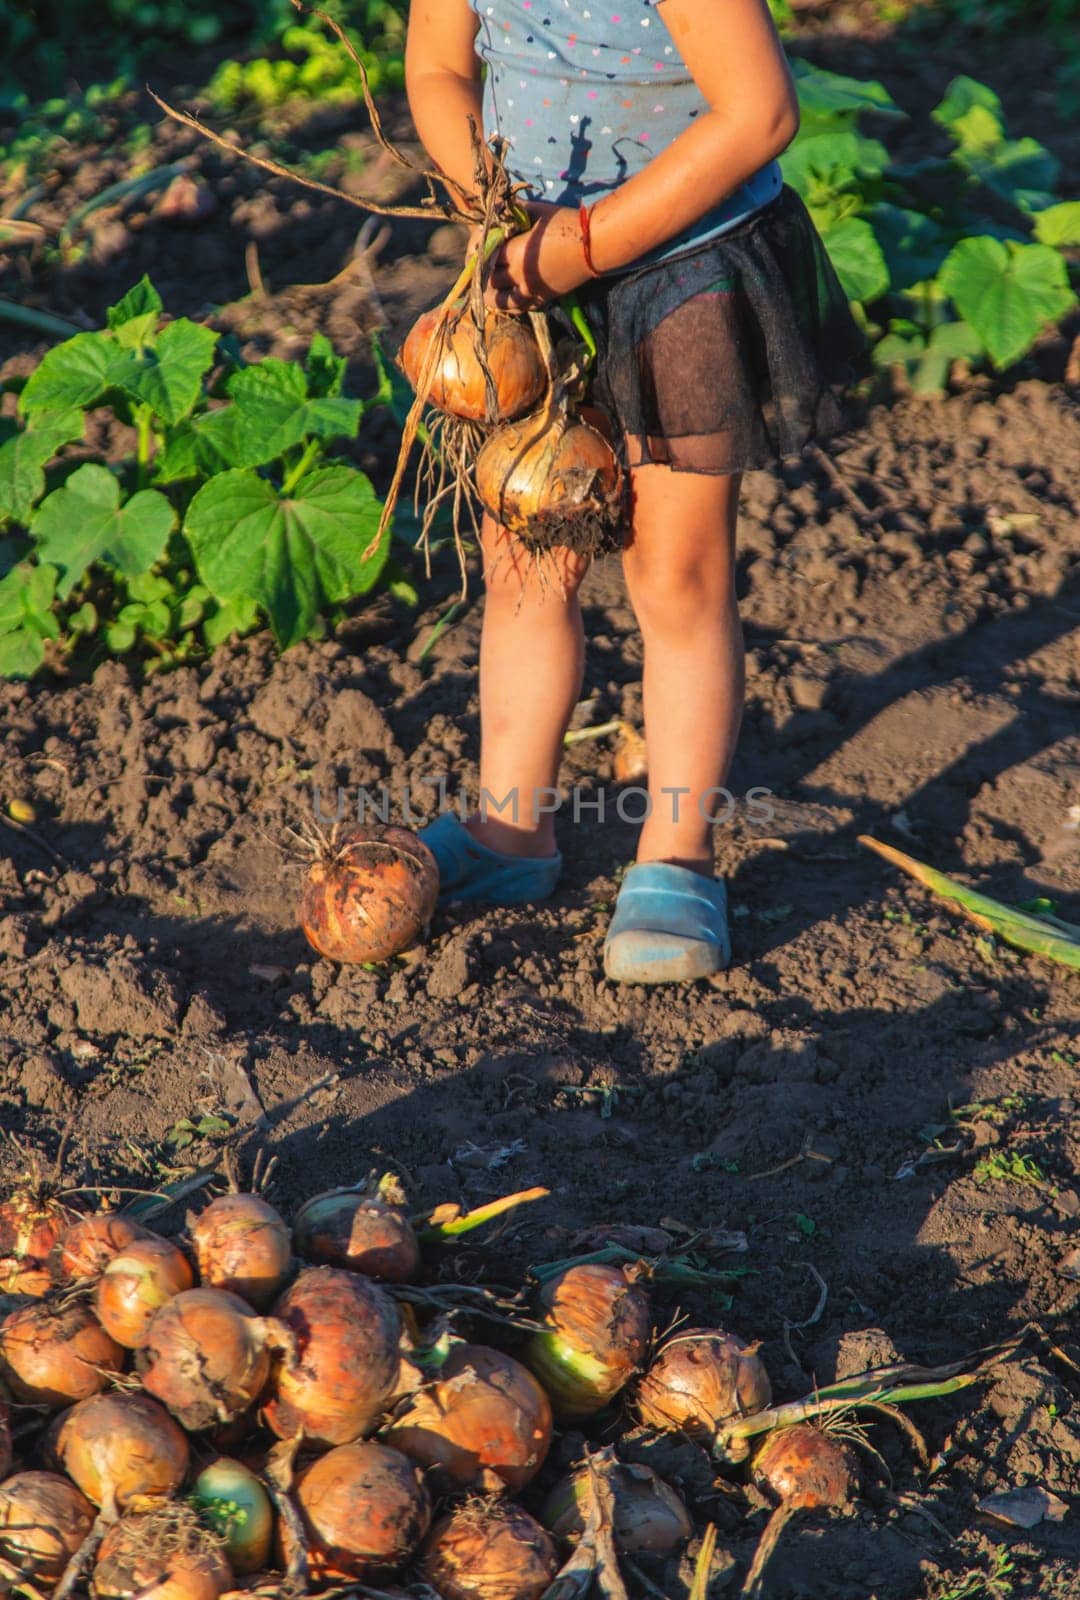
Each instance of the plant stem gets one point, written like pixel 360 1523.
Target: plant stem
pixel 482 1214
pixel 572 306
pixel 311 454
pixel 599 731
pixel 40 321
pixel 144 421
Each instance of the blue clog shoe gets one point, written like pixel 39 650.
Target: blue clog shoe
pixel 670 925
pixel 469 870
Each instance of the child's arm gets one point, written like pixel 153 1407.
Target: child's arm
pixel 735 57
pixel 442 79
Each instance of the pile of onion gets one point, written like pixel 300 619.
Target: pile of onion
pixel 595 1335
pixel 369 894
pixel 648 1514
pixel 85 1249
pixel 31 1221
pixel 344 1373
pixel 699 1380
pixel 43 1521
pixel 121 1449
pixel 458 384
pixel 368 1233
pixel 489 1550
pixel 138 1282
pixel 483 1423
pixel 364 1509
pixel 206 1356
pixel 166 1554
pixel 242 1244
pixel 234 1504
pixel 800 1468
pixel 54 1356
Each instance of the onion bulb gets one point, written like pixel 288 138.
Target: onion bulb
pixel 31 1221
pixel 345 1370
pixel 7 1453
pixel 242 1244
pixel 483 1423
pixel 364 1509
pixel 233 1503
pixel 165 1555
pixel 801 1468
pixel 699 1380
pixel 51 1357
pixel 489 1551
pixel 458 385
pixel 121 1449
pixel 207 1356
pixel 43 1521
pixel 369 895
pixel 368 1233
pixel 550 480
pixel 648 1514
pixel 86 1248
pixel 595 1335
pixel 135 1283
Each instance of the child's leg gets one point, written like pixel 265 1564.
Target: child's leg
pixel 532 653
pixel 680 572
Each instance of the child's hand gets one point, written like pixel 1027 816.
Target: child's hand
pixel 534 268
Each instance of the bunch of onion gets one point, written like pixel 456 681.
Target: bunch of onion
pixel 699 1380
pixel 369 893
pixel 489 1550
pixel 121 1449
pixel 596 1325
pixel 31 1221
pixel 482 1423
pixel 43 1522
pixel 799 1468
pixel 138 1282
pixel 52 1355
pixel 242 1244
pixel 166 1554
pixel 364 1510
pixel 233 1503
pixel 366 1232
pixel 85 1249
pixel 344 1372
pixel 206 1356
pixel 648 1514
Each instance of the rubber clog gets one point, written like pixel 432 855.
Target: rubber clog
pixel 469 870
pixel 670 925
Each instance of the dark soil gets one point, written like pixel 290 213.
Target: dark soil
pixel 851 1094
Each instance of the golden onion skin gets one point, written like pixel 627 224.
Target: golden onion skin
pixel 242 1244
pixel 489 1550
pixel 648 1515
pixel 700 1379
pixel 132 1565
pixel 361 1232
pixel 458 386
pixel 43 1521
pixel 233 1364
pixel 52 1357
pixel 365 1510
pixel 553 482
pixel 804 1468
pixel 136 1283
pixel 121 1449
pixel 85 1249
pixel 596 1334
pixel 30 1225
pixel 371 896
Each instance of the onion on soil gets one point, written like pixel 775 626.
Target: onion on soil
pixel 365 1232
pixel 799 1468
pixel 242 1244
pixel 364 1509
pixel 85 1248
pixel 52 1356
pixel 344 1374
pixel 595 1335
pixel 166 1554
pixel 121 1449
pixel 207 1356
pixel 43 1521
pixel 369 894
pixel 234 1504
pixel 700 1379
pixel 489 1550
pixel 482 1423
pixel 648 1514
pixel 459 385
pixel 136 1283
pixel 31 1221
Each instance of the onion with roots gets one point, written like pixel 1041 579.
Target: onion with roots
pixel 489 1550
pixel 207 1356
pixel 235 1505
pixel 31 1221
pixel 53 1357
pixel 43 1521
pixel 121 1449
pixel 648 1514
pixel 458 384
pixel 369 1233
pixel 136 1283
pixel 364 1509
pixel 165 1555
pixel 345 1371
pixel 595 1335
pixel 699 1380
pixel 85 1249
pixel 369 894
pixel 242 1244
pixel 483 1423
pixel 799 1468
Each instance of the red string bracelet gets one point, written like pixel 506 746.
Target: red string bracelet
pixel 586 238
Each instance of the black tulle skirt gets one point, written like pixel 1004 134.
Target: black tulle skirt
pixel 732 355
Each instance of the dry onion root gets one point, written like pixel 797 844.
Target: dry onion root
pixel 800 1468
pixel 166 1554
pixel 241 1244
pixel 207 1356
pixel 648 1514
pixel 489 1550
pixel 699 1380
pixel 43 1522
pixel 366 1232
pixel 364 1509
pixel 121 1449
pixel 53 1357
pixel 370 893
pixel 595 1335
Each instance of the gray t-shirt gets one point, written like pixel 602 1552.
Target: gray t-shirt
pixel 586 92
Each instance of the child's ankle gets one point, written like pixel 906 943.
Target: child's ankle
pixel 509 840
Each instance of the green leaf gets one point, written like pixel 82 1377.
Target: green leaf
pixel 291 555
pixel 24 458
pixel 271 413
pixel 837 158
pixel 858 259
pixel 21 653
pixel 26 597
pixel 822 92
pixel 977 130
pixel 1059 225
pixel 962 96
pixel 914 245
pixel 1021 171
pixel 1008 293
pixel 140 301
pixel 168 375
pixel 75 373
pixel 84 522
pixel 324 369
pixel 229 618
